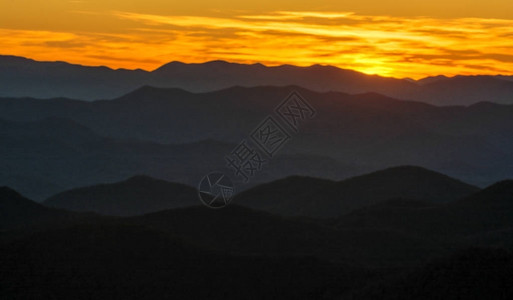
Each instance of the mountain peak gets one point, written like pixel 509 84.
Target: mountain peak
pixel 7 192
pixel 220 62
pixel 497 192
pixel 324 198
pixel 501 186
pixel 178 65
pixel 18 211
pixel 406 170
pixel 136 195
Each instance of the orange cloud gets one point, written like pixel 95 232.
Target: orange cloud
pixel 386 45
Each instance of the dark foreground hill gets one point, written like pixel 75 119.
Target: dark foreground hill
pixel 240 230
pixel 322 198
pixel 500 193
pixel 471 274
pixel 108 261
pixel 240 253
pixel 243 231
pixel 484 218
pixel 134 196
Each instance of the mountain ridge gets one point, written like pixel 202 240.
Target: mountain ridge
pixel 358 133
pixel 139 194
pixel 328 199
pixel 26 77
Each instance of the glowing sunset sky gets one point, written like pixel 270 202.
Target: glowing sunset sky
pixel 391 38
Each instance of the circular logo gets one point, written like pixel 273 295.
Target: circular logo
pixel 215 190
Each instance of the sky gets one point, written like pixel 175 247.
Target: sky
pixel 390 38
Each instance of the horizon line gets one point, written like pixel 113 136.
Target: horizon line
pixel 245 64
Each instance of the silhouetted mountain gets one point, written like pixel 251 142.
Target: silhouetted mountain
pixel 496 194
pixel 134 196
pixel 488 212
pixel 227 230
pixel 316 198
pixel 462 90
pixel 484 217
pixel 296 196
pixel 42 158
pixel 472 143
pixel 410 182
pixel 431 79
pixel 215 75
pixel 18 212
pixel 21 77
pixel 60 79
pixel 239 253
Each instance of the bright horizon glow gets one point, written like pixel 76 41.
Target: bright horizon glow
pixel 147 34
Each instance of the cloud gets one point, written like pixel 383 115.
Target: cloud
pixel 393 46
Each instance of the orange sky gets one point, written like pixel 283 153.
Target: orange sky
pixel 391 38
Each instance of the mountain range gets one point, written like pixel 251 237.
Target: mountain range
pixel 22 77
pixel 411 227
pixel 397 248
pixel 387 189
pixel 181 136
pixel 302 196
pixel 134 196
pixel 292 196
pixel 41 158
pixel 483 217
